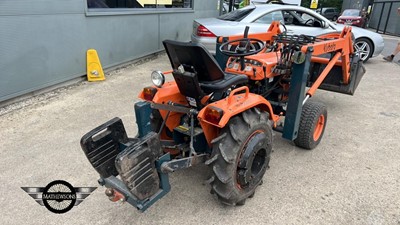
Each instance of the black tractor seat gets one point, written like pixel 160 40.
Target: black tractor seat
pixel 196 72
pixel 223 84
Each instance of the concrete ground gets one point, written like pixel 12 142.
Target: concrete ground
pixel 390 45
pixel 352 177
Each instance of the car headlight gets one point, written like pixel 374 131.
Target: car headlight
pixel 158 79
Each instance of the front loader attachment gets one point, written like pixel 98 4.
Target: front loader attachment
pixel 136 160
pixel 333 81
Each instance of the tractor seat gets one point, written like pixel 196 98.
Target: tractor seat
pixel 223 84
pixel 201 70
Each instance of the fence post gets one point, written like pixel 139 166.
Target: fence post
pixel 380 18
pixel 387 19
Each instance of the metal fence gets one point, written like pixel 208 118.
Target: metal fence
pixel 384 17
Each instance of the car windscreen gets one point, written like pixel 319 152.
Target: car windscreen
pixel 237 15
pixel 351 12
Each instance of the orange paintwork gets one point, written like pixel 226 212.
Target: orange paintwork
pixel 343 46
pixel 316 59
pixel 205 99
pixel 238 102
pixel 169 92
pixel 267 60
pixel 116 196
pixel 319 127
pixel 233 105
pixel 327 43
pixel 339 43
pixel 329 36
pixel 167 72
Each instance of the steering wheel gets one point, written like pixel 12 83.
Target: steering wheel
pixel 283 24
pixel 309 20
pixel 244 47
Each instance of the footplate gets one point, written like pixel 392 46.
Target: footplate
pixel 136 165
pixel 102 145
pixel 136 160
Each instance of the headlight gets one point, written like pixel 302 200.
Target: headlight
pixel 158 79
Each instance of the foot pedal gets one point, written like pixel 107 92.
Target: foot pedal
pixel 136 166
pixel 102 145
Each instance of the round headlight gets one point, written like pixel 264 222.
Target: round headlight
pixel 157 78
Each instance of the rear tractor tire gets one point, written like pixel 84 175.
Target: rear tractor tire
pixel 312 125
pixel 240 157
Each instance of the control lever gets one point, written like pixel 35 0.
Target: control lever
pixel 244 48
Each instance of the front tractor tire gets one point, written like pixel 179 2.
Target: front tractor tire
pixel 240 157
pixel 312 125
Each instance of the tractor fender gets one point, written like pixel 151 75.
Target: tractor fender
pixel 234 104
pixel 168 92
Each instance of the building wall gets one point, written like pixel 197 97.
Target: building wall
pixel 354 4
pixel 384 17
pixel 44 42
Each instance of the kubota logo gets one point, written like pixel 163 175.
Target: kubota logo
pixel 329 47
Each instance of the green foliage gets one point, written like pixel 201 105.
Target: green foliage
pixel 324 3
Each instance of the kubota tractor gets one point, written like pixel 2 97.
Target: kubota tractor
pixel 224 119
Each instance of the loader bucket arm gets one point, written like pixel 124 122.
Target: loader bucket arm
pixel 342 47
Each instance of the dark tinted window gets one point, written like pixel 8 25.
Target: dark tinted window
pixel 237 15
pixel 351 12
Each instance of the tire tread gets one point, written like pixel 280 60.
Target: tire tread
pixel 227 148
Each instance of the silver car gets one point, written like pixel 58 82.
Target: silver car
pixel 297 20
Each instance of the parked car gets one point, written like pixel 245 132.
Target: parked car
pixel 297 20
pixel 329 12
pixel 352 17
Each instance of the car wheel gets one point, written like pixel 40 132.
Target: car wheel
pixel 334 18
pixel 363 48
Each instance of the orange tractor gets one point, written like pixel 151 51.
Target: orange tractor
pixel 224 119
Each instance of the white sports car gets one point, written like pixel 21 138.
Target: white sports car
pixel 297 20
